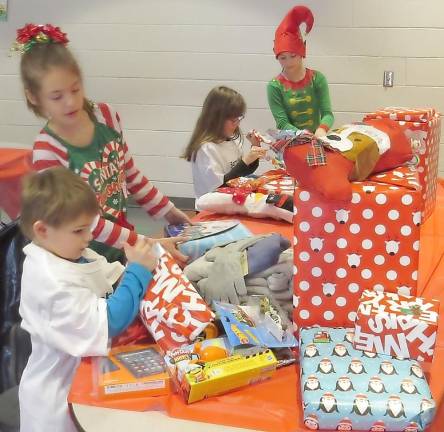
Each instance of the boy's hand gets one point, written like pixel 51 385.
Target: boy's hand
pixel 176 216
pixel 142 253
pixel 170 245
pixel 254 154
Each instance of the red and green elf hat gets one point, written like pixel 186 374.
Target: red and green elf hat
pixel 288 36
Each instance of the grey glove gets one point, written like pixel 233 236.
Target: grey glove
pixel 236 246
pixel 225 277
pixel 225 281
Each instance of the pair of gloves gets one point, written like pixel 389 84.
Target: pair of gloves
pixel 219 274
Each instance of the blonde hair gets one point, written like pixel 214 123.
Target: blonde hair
pixel 37 60
pixel 55 196
pixel 221 104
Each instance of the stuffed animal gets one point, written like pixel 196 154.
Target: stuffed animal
pixel 352 152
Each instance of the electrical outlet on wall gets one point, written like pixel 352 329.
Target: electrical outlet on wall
pixel 388 78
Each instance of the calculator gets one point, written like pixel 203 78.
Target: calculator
pixel 142 363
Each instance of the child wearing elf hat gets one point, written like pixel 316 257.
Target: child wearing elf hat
pixel 298 97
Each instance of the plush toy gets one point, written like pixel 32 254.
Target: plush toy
pixel 352 152
pixel 270 195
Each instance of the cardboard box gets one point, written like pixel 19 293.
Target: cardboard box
pixel 220 376
pixel 397 325
pixel 423 127
pixel 132 371
pixel 340 249
pixel 198 379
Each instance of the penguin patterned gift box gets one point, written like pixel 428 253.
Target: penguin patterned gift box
pixel 397 325
pixel 349 390
pixel 340 249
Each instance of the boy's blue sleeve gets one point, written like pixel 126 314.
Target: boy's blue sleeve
pixel 123 305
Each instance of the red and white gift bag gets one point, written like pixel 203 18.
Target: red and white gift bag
pixel 397 325
pixel 423 127
pixel 341 249
pixel 172 310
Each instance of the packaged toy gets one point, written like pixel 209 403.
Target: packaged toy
pixel 132 371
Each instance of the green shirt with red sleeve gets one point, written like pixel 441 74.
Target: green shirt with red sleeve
pixel 301 105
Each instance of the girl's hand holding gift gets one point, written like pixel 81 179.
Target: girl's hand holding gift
pixel 254 154
pixel 256 138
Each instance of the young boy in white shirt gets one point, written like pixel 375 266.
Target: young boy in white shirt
pixel 62 284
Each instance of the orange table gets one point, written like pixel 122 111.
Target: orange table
pixel 14 164
pixel 275 405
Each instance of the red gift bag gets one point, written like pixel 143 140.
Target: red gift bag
pixel 172 310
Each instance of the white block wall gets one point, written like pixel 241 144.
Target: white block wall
pixel 155 61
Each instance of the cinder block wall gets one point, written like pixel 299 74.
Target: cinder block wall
pixel 156 60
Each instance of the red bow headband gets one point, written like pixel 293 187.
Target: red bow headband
pixel 32 34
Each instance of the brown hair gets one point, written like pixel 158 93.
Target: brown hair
pixel 55 196
pixel 221 104
pixel 38 60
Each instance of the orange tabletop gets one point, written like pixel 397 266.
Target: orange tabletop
pixel 14 164
pixel 275 405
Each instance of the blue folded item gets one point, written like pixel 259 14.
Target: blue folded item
pixel 230 230
pixel 243 329
pixel 346 389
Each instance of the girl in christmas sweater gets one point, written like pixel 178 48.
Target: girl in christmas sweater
pixel 215 147
pixel 298 97
pixel 87 138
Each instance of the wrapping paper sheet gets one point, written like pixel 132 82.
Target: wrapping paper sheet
pixel 392 324
pixel 346 389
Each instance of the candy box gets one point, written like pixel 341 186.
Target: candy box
pixel 397 325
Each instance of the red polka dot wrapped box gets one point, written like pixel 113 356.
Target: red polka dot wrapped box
pixel 343 248
pixel 397 325
pixel 423 127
